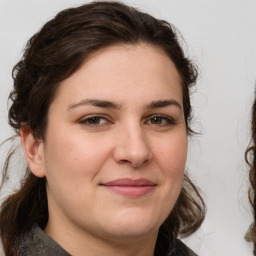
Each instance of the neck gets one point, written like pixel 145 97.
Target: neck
pixel 77 242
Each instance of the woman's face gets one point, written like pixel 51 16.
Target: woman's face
pixel 115 145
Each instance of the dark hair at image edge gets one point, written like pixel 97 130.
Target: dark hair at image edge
pixel 250 157
pixel 52 55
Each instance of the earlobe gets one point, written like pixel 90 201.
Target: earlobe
pixel 34 152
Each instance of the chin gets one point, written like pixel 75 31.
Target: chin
pixel 134 225
pixel 131 232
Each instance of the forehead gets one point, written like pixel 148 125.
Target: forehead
pixel 125 72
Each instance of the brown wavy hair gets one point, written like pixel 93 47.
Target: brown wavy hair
pixel 250 157
pixel 52 55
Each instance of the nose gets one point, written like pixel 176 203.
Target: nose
pixel 132 147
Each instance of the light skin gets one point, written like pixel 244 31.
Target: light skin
pixel 118 118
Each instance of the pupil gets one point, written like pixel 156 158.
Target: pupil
pixel 94 120
pixel 157 120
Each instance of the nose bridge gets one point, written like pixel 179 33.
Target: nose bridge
pixel 132 145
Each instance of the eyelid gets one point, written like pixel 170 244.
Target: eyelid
pixel 86 118
pixel 167 118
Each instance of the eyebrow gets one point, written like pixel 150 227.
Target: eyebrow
pixel 163 103
pixel 95 102
pixel 109 104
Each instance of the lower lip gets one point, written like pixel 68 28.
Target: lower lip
pixel 132 191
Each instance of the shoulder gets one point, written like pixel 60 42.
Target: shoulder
pixel 36 242
pixel 167 246
pixel 180 249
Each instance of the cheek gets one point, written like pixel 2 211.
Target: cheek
pixel 172 155
pixel 72 162
pixel 74 157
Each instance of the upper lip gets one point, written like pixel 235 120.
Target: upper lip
pixel 130 182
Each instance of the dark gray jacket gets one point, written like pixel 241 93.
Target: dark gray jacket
pixel 38 243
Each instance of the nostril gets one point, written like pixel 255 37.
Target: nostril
pixel 134 164
pixel 125 162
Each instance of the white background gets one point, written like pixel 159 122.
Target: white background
pixel 220 37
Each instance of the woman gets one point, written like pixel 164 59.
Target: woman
pixel 250 157
pixel 101 103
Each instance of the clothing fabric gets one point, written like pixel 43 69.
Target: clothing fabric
pixel 37 243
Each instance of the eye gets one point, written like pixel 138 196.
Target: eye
pixel 160 120
pixel 94 120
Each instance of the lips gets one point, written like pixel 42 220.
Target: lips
pixel 130 187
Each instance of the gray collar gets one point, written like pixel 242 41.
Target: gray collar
pixel 37 242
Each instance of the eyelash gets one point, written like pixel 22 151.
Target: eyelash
pixel 167 119
pixel 88 120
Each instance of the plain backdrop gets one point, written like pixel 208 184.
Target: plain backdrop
pixel 220 36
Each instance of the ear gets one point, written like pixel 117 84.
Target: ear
pixel 34 152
